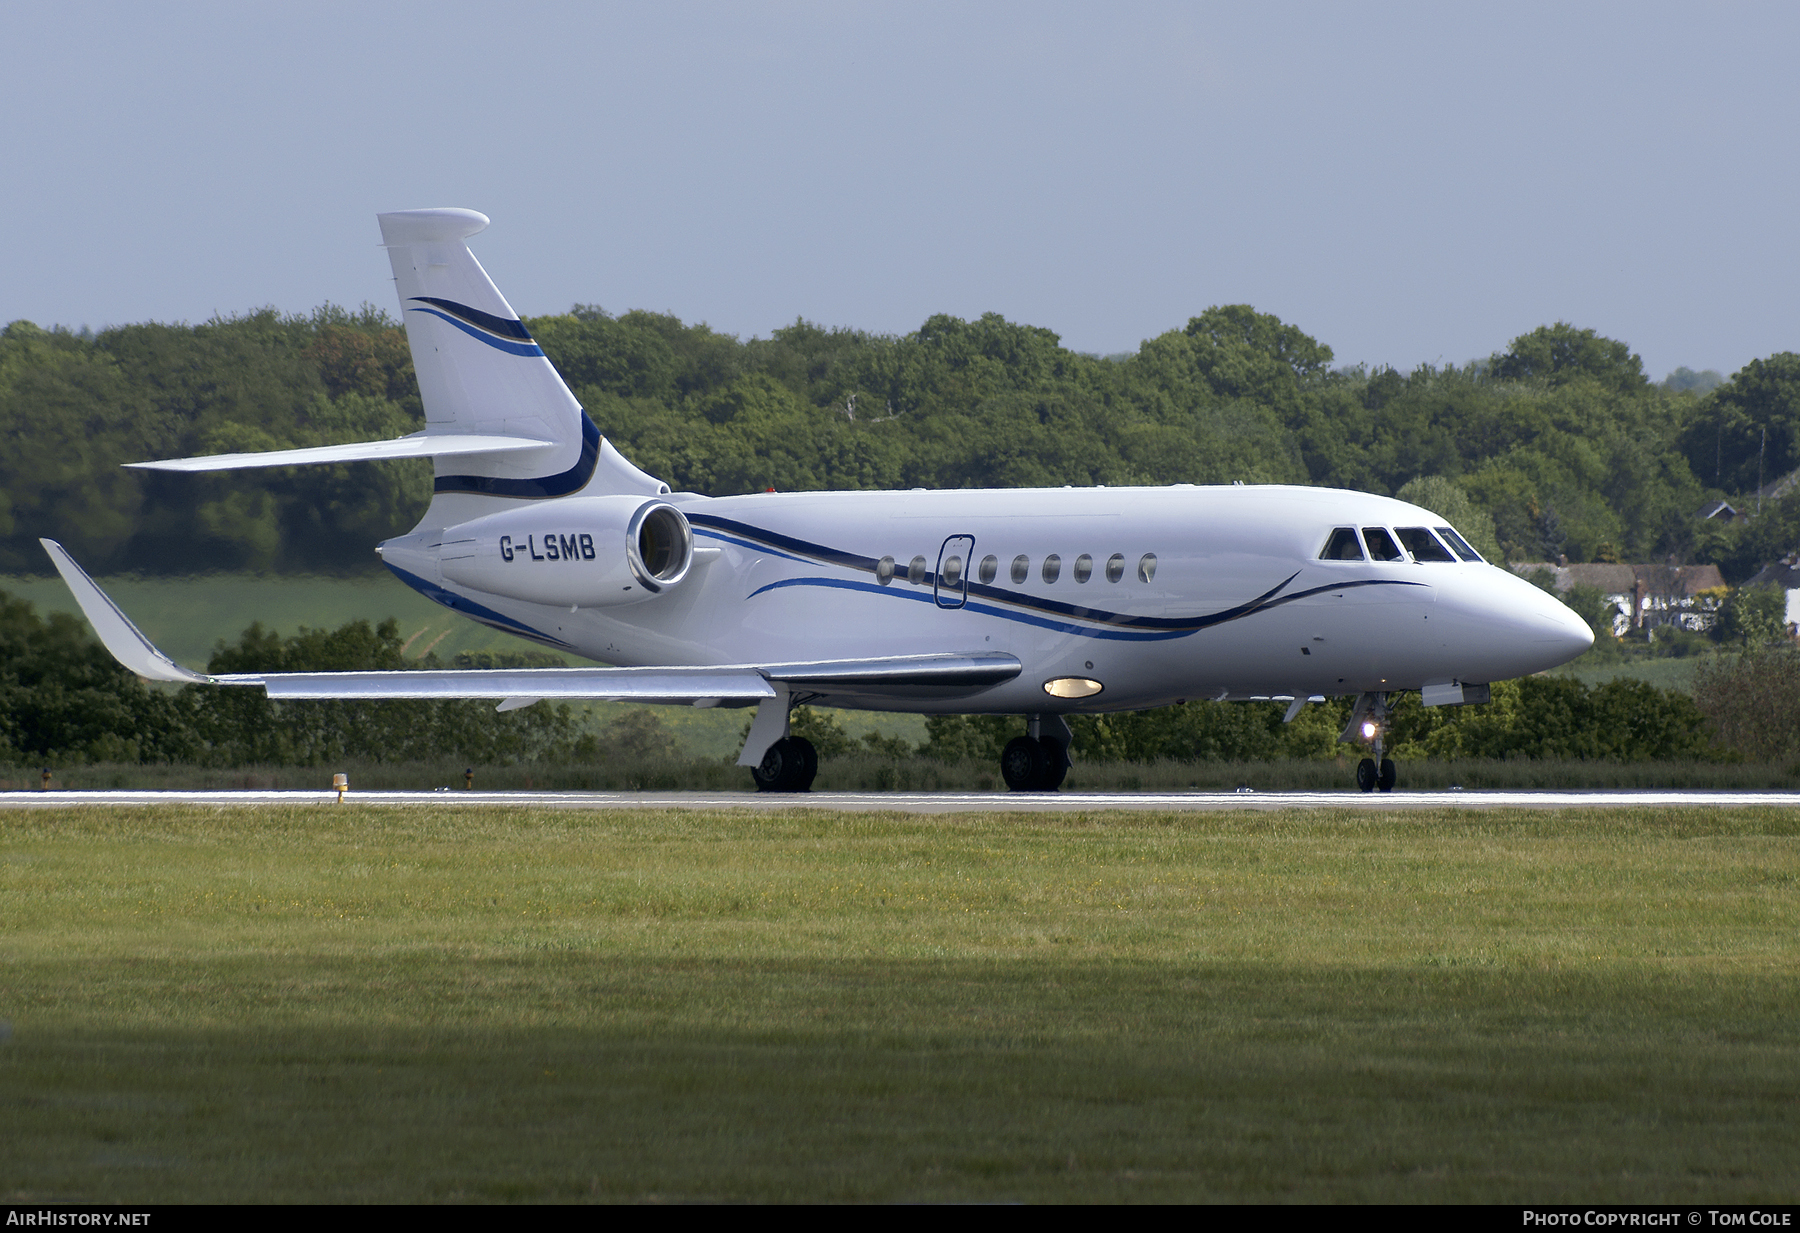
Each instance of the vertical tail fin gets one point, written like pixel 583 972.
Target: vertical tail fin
pixel 481 372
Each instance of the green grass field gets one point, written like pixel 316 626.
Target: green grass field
pixel 361 1004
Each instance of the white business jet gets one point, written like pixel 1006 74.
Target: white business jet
pixel 1032 602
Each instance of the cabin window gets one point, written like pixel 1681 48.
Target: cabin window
pixel 1459 543
pixel 1423 545
pixel 1342 546
pixel 952 572
pixel 915 570
pixel 1381 544
pixel 989 567
pixel 1115 567
pixel 1052 568
pixel 1147 567
pixel 1021 568
pixel 1084 567
pixel 884 570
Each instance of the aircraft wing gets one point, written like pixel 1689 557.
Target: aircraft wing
pixel 418 445
pixel 901 675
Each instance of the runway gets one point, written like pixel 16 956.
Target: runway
pixel 928 802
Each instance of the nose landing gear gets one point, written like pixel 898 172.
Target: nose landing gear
pixel 1368 723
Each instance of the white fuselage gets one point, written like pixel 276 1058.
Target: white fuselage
pixel 1237 602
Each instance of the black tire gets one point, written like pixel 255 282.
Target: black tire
pixel 1056 765
pixel 1366 775
pixel 808 768
pixel 780 769
pixel 1385 780
pixel 1022 764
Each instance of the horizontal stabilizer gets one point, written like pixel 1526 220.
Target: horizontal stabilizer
pixel 419 445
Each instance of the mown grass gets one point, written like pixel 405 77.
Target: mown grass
pixel 362 1004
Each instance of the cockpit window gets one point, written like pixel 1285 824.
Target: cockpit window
pixel 1459 543
pixel 1423 545
pixel 1342 546
pixel 1381 544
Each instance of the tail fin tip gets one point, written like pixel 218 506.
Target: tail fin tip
pixel 440 225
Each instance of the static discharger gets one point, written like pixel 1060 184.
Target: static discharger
pixel 341 782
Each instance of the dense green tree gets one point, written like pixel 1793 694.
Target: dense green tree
pixel 1561 353
pixel 63 698
pixel 1747 430
pixel 1558 440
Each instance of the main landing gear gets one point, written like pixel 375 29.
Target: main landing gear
pixel 1368 723
pixel 1039 760
pixel 791 765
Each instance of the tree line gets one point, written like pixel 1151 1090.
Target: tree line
pixel 64 699
pixel 1557 445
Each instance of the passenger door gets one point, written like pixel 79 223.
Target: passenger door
pixel 951 586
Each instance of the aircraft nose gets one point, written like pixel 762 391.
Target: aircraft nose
pixel 1553 627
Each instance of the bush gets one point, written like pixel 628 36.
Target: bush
pixel 1752 702
pixel 243 725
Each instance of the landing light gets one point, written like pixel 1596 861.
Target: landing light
pixel 1072 687
pixel 1369 729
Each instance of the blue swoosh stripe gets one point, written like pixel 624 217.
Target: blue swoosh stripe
pixel 506 326
pixel 1188 625
pixel 750 544
pixel 573 480
pixel 1023 618
pixel 848 560
pixel 475 611
pixel 498 344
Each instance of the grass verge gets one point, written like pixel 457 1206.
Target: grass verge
pixel 344 1004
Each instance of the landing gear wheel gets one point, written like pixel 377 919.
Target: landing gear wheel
pixel 1023 764
pixel 809 763
pixel 1385 780
pixel 789 766
pixel 1366 774
pixel 1056 765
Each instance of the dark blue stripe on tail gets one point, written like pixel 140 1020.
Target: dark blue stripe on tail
pixel 474 316
pixel 573 480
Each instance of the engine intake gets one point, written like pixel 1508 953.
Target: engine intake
pixel 588 552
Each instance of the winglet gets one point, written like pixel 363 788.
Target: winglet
pixel 126 642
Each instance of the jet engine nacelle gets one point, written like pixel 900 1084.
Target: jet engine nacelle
pixel 586 552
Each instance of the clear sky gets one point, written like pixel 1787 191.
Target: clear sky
pixel 1406 183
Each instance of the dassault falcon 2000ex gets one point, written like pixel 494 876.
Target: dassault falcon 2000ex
pixel 1038 603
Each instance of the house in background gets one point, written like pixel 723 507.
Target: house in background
pixel 1646 596
pixel 1785 574
pixel 1721 511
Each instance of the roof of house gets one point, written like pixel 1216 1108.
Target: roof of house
pixel 1782 574
pixel 1776 489
pixel 1684 581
